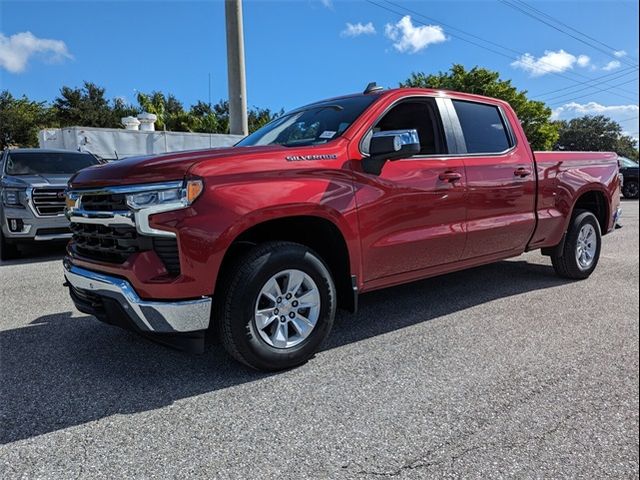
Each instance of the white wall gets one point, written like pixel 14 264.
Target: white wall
pixel 112 143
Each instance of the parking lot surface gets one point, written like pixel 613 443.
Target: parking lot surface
pixel 500 371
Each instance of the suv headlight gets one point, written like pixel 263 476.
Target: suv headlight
pixel 177 197
pixel 12 197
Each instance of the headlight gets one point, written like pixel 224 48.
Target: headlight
pixel 11 197
pixel 179 197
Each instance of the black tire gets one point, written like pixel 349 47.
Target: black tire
pixel 630 189
pixel 237 299
pixel 566 263
pixel 8 251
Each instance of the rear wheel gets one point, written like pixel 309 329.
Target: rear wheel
pixel 8 251
pixel 630 189
pixel 277 306
pixel 581 251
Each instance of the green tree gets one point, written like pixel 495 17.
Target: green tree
pixel 20 120
pixel 120 108
pixel 534 116
pixel 153 103
pixel 86 106
pixel 256 117
pixel 169 110
pixel 204 118
pixel 221 111
pixel 595 133
pixel 628 147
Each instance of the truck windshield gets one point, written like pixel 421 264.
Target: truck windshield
pixel 311 125
pixel 627 162
pixel 48 163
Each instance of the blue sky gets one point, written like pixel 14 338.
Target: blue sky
pixel 300 51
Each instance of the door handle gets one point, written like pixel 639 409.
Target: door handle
pixel 522 172
pixel 450 177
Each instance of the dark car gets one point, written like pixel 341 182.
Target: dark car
pixel 32 185
pixel 629 170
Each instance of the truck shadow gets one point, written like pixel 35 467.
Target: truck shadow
pixel 36 253
pixel 61 371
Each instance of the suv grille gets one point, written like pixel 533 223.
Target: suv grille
pixel 116 244
pixel 48 201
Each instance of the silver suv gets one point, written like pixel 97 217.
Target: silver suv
pixel 32 186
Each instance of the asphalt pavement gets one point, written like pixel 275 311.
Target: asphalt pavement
pixel 503 371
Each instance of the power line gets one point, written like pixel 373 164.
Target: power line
pixel 589 94
pixel 560 22
pixel 531 7
pixel 450 27
pixel 588 87
pixel 535 17
pixel 628 70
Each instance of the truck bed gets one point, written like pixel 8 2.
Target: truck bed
pixel 563 177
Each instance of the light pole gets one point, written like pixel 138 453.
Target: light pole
pixel 235 68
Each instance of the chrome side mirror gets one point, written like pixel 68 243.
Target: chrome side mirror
pixel 390 145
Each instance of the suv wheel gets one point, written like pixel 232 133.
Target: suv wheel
pixel 630 189
pixel 581 252
pixel 277 306
pixel 8 251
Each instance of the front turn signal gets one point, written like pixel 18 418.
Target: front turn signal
pixel 194 189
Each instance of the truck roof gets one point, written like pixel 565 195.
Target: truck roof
pixel 436 92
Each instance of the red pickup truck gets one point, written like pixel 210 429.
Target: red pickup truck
pixel 262 242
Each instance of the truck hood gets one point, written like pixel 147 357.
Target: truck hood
pixel 23 181
pixel 167 167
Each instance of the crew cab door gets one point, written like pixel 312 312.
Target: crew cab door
pixel 412 214
pixel 500 179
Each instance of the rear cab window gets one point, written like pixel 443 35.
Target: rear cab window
pixel 483 127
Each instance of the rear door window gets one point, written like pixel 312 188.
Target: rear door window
pixel 483 127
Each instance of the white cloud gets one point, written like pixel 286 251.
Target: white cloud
pixel 550 62
pixel 408 38
pixel 583 61
pixel 357 29
pixel 612 65
pixel 327 3
pixel 574 109
pixel 16 50
pixel 620 53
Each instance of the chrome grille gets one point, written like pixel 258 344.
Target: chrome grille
pixel 48 201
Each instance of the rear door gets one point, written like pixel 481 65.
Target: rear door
pixel 412 215
pixel 500 180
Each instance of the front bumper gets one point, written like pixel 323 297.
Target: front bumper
pixel 113 300
pixel 55 227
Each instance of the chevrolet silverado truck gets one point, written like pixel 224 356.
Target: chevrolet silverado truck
pixel 261 242
pixel 32 186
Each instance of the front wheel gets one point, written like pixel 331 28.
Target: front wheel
pixel 581 251
pixel 277 306
pixel 630 189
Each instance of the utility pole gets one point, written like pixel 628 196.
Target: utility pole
pixel 238 124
